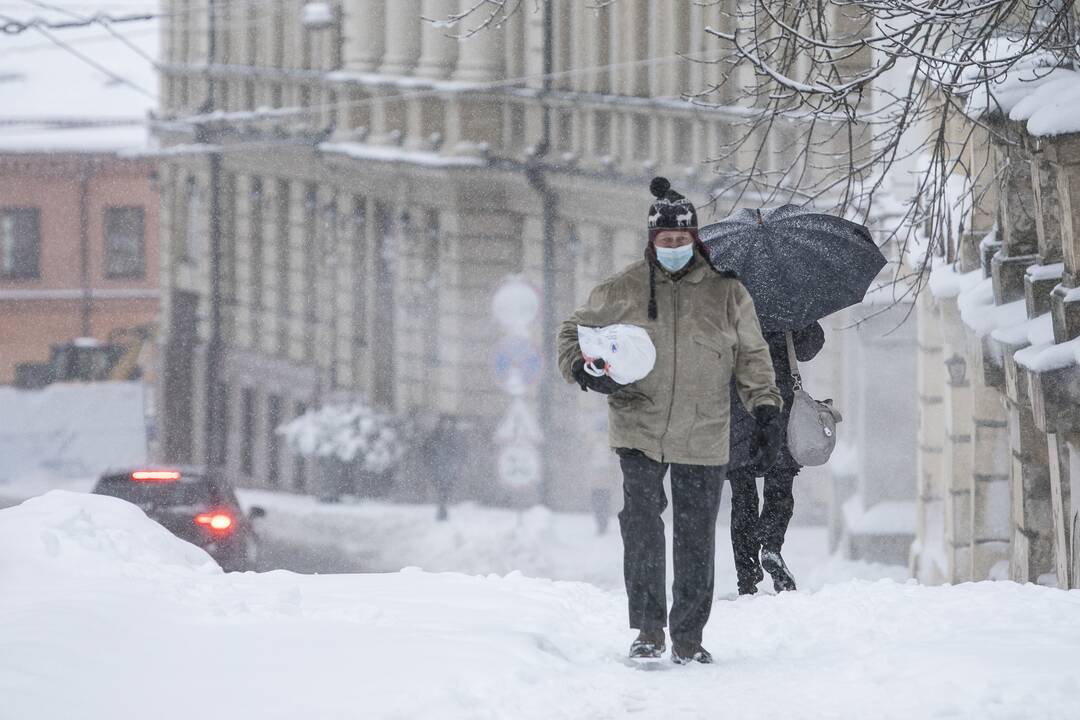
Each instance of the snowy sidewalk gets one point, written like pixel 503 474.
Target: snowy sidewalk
pixel 385 537
pixel 106 615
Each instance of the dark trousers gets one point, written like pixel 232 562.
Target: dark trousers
pixel 749 531
pixel 695 491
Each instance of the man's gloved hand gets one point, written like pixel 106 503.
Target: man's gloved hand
pixel 765 445
pixel 602 384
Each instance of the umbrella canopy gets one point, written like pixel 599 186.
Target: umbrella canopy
pixel 798 266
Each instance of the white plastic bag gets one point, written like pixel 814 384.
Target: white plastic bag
pixel 627 351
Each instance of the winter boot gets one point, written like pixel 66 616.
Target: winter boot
pixel 774 564
pixel 748 586
pixel 648 644
pixel 684 653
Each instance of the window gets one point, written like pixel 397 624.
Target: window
pixel 193 220
pixel 284 232
pixel 274 417
pixel 310 270
pixel 20 243
pixel 247 447
pixel 125 250
pixel 360 286
pixel 299 463
pixel 255 242
pixel 228 238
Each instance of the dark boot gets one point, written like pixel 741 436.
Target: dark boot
pixel 686 653
pixel 648 644
pixel 748 585
pixel 774 564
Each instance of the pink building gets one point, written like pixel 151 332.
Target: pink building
pixel 78 202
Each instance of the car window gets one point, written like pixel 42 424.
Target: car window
pixel 185 492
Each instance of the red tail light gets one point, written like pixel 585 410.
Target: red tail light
pixel 155 475
pixel 215 521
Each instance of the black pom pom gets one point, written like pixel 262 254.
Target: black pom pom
pixel 659 186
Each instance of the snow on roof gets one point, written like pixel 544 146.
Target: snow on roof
pixel 53 100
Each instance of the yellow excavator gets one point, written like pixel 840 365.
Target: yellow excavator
pixel 90 360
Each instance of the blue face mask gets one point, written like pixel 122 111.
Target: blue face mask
pixel 674 259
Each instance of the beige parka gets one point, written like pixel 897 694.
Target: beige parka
pixel 706 330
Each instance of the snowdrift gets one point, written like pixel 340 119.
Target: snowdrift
pixel 103 616
pixel 70 430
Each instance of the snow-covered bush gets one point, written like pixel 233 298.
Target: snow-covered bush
pixel 349 432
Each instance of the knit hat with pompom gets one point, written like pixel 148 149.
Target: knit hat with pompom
pixel 671 211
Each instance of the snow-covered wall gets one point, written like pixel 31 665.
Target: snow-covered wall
pixel 70 429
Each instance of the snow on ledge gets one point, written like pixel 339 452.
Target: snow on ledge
pixel 981 315
pixel 1053 271
pixel 394 154
pixel 1047 357
pixel 1035 331
pixel 947 282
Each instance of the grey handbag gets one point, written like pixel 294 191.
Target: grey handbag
pixel 811 430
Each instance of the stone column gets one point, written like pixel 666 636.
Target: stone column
pixel 438 48
pixel 480 57
pixel 402 37
pixel 1032 541
pixel 596 51
pixel 581 50
pixel 1064 155
pixel 1019 236
pixel 990 482
pixel 930 511
pixel 631 43
pixel 364 35
pixel 957 452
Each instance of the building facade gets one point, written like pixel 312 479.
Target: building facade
pixel 376 180
pixel 999 382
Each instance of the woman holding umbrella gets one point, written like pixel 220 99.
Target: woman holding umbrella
pixel 752 534
pixel 798 267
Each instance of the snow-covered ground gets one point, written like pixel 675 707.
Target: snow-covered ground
pixel 385 537
pixel 300 533
pixel 104 614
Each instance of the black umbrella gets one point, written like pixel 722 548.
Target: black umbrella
pixel 798 266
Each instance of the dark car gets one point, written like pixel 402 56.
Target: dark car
pixel 195 506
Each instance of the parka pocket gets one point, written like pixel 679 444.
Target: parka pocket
pixel 709 435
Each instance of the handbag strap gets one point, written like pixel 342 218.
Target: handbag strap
pixel 793 361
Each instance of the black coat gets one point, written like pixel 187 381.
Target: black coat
pixel 808 343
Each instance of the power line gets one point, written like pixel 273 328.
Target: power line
pixel 108 28
pixel 12 26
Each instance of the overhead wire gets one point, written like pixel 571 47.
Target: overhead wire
pixel 107 26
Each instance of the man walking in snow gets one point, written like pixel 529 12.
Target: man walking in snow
pixel 706 332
